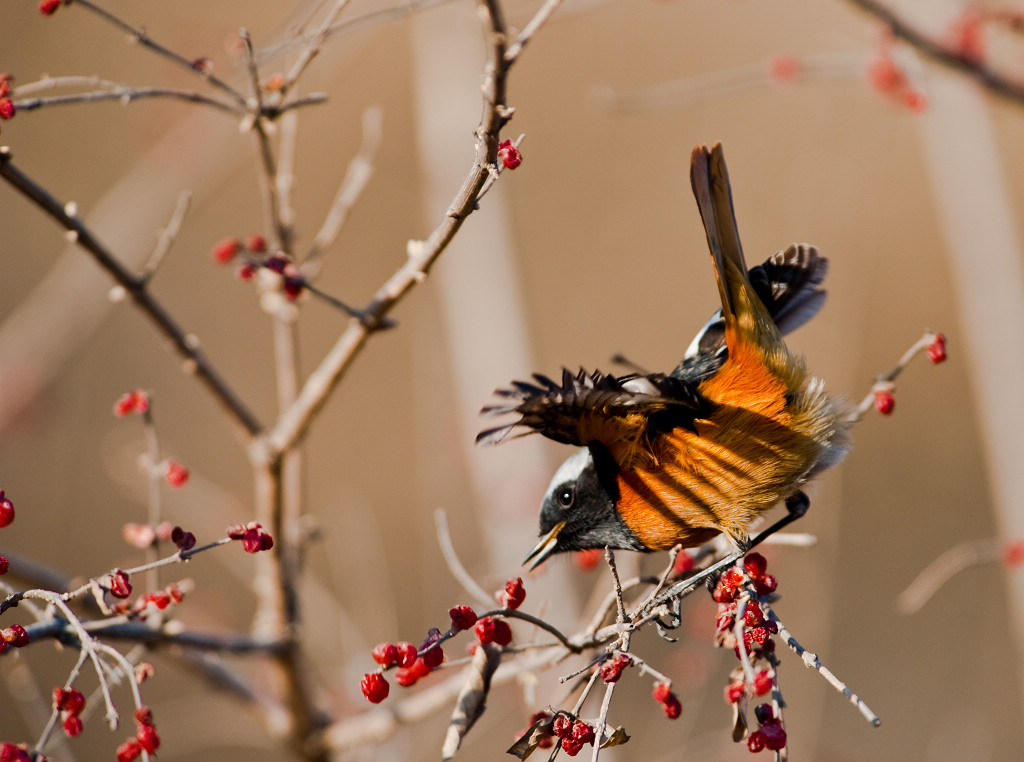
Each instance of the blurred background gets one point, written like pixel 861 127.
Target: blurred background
pixel 592 247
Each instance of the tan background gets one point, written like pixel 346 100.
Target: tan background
pixel 607 256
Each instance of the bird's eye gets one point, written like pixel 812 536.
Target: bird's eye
pixel 566 497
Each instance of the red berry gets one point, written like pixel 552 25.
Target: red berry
pixel 6 510
pixel 915 101
pixel 766 584
pixel 184 540
pixel 773 735
pixel 406 676
pixel 755 564
pixel 967 36
pixel 734 691
pixel 5 565
pixel 72 725
pixel 128 751
pixel 611 669
pixel 385 654
pixel 247 271
pixel 673 708
pixel 176 474
pixel 885 402
pixel 764 713
pixel 755 741
pixel 662 692
pixel 783 69
pixel 135 401
pixel 226 250
pixel 587 559
pixel 484 629
pixel 884 75
pixel 1013 553
pixel 144 715
pixel 583 732
pixel 374 687
pixel 571 746
pixel 160 599
pixel 70 700
pixel 762 682
pixel 148 739
pixel 502 632
pixel 256 243
pixel 561 726
pixel 753 617
pixel 433 657
pixel 515 593
pixel 683 564
pixel 463 617
pixel 293 285
pixel 15 636
pixel 406 654
pixel 49 7
pixel 120 587
pixel 7 108
pixel 937 349
pixel 509 154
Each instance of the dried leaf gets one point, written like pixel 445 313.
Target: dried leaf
pixel 616 738
pixel 472 698
pixel 529 740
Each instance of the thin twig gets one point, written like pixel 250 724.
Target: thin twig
pixel 167 237
pixel 125 94
pixel 357 176
pixel 886 382
pixel 140 36
pixel 962 556
pixel 811 660
pixel 455 566
pixel 186 344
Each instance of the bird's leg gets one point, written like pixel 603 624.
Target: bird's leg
pixel 796 506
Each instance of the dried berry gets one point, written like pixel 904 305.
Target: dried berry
pixel 463 617
pixel 374 687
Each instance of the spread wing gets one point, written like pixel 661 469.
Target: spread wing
pixel 789 284
pixel 625 414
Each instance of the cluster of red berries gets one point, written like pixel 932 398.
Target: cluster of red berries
pixel 10 752
pixel 669 701
pixel 146 738
pixel 574 734
pixel 412 664
pixel 253 536
pixel 70 703
pixel 6 510
pixel 7 108
pixel 891 80
pixel 770 735
pixel 121 588
pixel 757 630
pixel 135 401
pixel 251 254
pixel 509 154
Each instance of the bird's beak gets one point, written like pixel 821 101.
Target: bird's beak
pixel 545 547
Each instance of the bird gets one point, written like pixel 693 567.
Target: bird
pixel 675 459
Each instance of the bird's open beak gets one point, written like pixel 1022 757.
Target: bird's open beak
pixel 545 547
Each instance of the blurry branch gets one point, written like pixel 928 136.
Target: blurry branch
pixel 141 37
pixel 943 569
pixel 186 344
pixel 360 170
pixel 292 425
pixel 113 91
pixel 993 81
pixel 166 238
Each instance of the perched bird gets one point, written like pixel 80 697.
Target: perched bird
pixel 674 459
